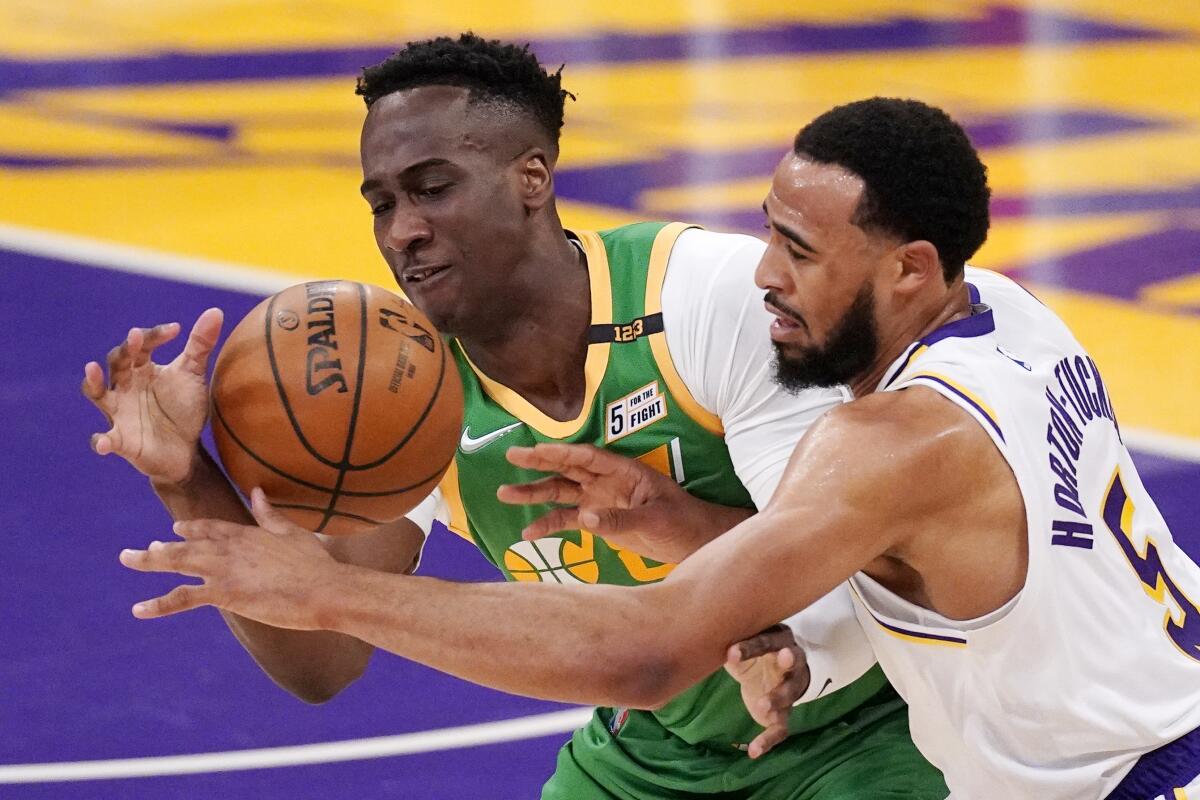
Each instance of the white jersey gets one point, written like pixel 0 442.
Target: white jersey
pixel 716 329
pixel 1096 661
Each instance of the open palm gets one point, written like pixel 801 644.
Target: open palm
pixel 156 412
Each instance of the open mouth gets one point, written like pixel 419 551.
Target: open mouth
pixel 423 274
pixel 784 320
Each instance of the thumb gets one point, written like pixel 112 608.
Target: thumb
pixel 266 516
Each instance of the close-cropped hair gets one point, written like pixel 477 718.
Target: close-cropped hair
pixel 922 179
pixel 494 72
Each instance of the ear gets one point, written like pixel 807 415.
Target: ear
pixel 917 264
pixel 536 177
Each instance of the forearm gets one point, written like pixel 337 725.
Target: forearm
pixel 313 665
pixel 618 648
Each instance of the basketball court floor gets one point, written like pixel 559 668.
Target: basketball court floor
pixel 160 157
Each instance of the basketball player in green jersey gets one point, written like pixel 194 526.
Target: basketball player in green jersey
pixel 646 340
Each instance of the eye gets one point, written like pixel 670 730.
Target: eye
pixel 379 209
pixel 433 190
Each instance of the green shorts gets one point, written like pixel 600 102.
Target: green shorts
pixel 865 755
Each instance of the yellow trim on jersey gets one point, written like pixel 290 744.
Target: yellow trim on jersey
pixel 976 399
pixel 659 254
pixel 967 393
pixel 1181 794
pixel 453 497
pixel 593 369
pixel 919 351
pixel 908 637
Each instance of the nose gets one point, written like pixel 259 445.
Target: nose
pixel 406 231
pixel 771 272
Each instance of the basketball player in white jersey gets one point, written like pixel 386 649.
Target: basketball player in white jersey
pixel 1016 583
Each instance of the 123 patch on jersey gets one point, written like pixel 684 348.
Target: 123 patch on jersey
pixel 633 412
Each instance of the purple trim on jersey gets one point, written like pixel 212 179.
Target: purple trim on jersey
pixel 1160 772
pixel 918 634
pixel 903 365
pixel 973 294
pixel 968 400
pixel 978 324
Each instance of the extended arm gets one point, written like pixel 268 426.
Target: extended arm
pixel 640 646
pixel 156 413
pixel 313 665
pixel 597 644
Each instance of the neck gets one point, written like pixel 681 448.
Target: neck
pixel 954 304
pixel 540 348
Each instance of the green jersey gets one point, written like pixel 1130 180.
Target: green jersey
pixel 635 404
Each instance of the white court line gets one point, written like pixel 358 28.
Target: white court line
pixel 144 261
pixel 1162 444
pixel 508 730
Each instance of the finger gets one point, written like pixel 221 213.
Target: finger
pixel 121 357
pixel 614 521
pixel 790 689
pixel 765 741
pixel 143 341
pixel 555 489
pixel 118 363
pixel 267 517
pixel 560 519
pixel 184 558
pixel 525 458
pixel 93 387
pixel 558 457
pixel 769 641
pixel 734 664
pixel 105 443
pixel 194 530
pixel 181 598
pixel 201 341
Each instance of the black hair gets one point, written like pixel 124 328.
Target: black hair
pixel 922 178
pixel 493 71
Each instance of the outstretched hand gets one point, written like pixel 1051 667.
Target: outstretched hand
pixel 773 672
pixel 626 502
pixel 155 412
pixel 272 573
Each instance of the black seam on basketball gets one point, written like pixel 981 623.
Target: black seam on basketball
pixel 309 485
pixel 298 507
pixel 433 396
pixel 217 415
pixel 358 384
pixel 287 407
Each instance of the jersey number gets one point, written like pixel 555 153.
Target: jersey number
pixel 1181 622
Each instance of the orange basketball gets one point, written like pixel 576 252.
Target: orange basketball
pixel 340 400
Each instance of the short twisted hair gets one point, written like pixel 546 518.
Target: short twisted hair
pixel 922 178
pixel 493 71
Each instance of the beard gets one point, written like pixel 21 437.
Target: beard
pixel 850 349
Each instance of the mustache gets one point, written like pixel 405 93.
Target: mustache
pixel 771 298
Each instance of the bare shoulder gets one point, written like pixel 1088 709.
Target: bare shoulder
pixel 903 449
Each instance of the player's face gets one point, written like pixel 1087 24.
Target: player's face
pixel 818 271
pixel 442 180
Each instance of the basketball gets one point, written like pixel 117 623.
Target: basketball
pixel 340 401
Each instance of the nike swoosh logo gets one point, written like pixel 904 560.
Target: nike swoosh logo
pixel 469 445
